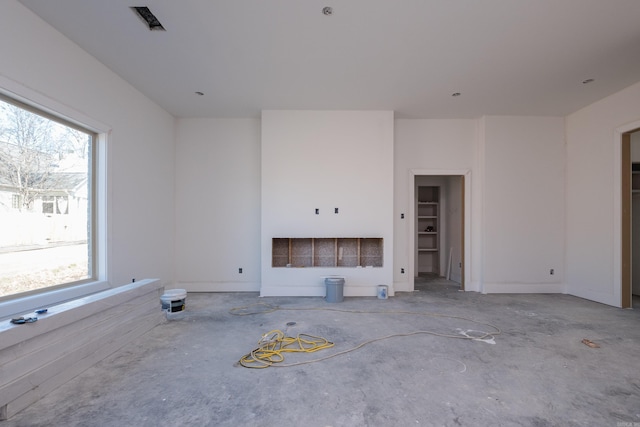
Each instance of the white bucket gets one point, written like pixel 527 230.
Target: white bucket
pixel 173 300
pixel 383 291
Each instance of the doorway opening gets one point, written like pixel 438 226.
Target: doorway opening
pixel 630 226
pixel 438 230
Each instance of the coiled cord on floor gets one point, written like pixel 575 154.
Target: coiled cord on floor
pixel 273 345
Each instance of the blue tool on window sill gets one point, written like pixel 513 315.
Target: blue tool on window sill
pixel 41 311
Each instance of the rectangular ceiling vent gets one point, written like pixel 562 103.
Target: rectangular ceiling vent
pixel 148 18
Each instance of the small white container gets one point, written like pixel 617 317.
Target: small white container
pixel 383 291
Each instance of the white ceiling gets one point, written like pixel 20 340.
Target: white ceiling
pixel 505 57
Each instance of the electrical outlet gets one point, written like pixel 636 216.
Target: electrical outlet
pixel 401 216
pixel 336 210
pixel 317 211
pixel 240 270
pixel 551 272
pixel 402 271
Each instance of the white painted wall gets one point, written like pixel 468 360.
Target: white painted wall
pixel 523 204
pixel 453 215
pixel 432 147
pixel 326 160
pixel 593 194
pixel 528 152
pixel 218 204
pixel 42 66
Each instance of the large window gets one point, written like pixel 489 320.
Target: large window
pixel 46 201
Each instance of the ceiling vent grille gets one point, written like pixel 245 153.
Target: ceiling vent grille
pixel 148 18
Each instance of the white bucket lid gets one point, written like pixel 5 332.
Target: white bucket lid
pixel 174 294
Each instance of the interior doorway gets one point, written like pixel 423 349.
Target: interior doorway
pixel 630 226
pixel 438 229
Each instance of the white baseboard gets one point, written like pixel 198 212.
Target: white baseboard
pixel 279 291
pixel 218 286
pixel 607 298
pixel 292 291
pixel 523 288
pixel 320 291
pixel 401 287
pixel 472 286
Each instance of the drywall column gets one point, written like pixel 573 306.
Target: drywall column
pixel 326 160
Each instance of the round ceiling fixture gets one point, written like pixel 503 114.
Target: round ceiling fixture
pixel 327 10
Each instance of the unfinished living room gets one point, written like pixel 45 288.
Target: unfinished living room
pixel 363 213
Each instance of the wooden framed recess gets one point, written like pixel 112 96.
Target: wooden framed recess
pixel 327 252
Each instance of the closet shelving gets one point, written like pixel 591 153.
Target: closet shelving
pixel 428 228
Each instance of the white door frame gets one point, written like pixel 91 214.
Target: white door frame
pixel 466 220
pixel 617 208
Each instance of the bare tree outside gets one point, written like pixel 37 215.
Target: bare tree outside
pixel 28 154
pixel 44 216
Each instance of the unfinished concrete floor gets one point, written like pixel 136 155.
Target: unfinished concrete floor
pixel 538 372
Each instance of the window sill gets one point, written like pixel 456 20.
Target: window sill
pixel 27 304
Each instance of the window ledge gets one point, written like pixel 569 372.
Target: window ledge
pixel 27 304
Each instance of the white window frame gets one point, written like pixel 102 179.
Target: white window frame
pixel 47 297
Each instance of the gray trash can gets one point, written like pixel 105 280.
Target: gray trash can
pixel 335 289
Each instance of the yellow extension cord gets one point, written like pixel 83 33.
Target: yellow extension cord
pixel 273 345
